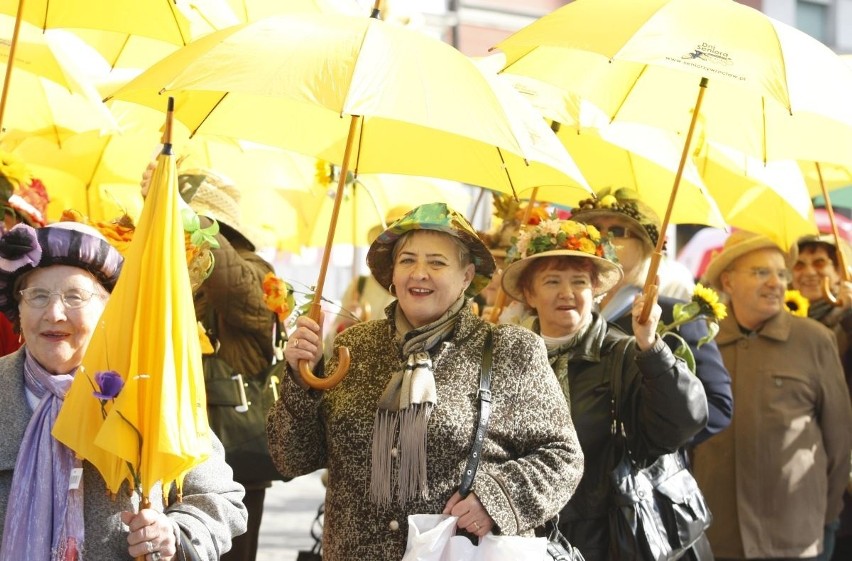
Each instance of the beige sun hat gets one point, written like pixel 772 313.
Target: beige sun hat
pixel 829 240
pixel 736 245
pixel 554 238
pixel 215 196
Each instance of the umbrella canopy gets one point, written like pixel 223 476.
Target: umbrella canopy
pixel 643 159
pixel 770 199
pixel 366 202
pixel 158 423
pixel 774 92
pixel 157 19
pixel 427 110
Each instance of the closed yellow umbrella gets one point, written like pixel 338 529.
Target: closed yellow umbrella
pixel 158 423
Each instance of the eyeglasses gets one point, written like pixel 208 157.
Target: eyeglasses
pixel 818 264
pixel 763 274
pixel 615 231
pixel 72 298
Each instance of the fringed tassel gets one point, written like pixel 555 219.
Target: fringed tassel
pixel 384 438
pixel 413 482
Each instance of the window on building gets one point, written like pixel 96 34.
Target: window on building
pixel 812 18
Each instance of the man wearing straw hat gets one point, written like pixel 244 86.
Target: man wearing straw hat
pixel 776 476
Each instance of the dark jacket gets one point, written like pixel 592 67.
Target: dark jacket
pixel 663 407
pixel 708 367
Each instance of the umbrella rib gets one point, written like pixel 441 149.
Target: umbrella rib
pixel 627 94
pixel 506 170
pixel 207 116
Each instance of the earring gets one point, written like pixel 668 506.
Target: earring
pixel 392 290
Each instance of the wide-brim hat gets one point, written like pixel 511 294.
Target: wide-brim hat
pixel 215 196
pixel 609 273
pixel 437 217
pixel 623 204
pixel 24 248
pixel 736 245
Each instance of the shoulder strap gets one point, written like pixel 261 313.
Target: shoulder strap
pixel 484 413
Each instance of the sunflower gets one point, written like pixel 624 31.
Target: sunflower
pixel 708 302
pixel 796 303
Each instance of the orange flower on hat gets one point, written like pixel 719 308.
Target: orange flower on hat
pixel 278 295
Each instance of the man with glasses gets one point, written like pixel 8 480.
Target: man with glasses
pixel 816 275
pixel 776 476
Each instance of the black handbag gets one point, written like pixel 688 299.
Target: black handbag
pixel 657 513
pixel 558 547
pixel 237 407
pixel 315 553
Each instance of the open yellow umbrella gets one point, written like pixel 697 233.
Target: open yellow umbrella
pixel 158 423
pixel 771 91
pixel 414 105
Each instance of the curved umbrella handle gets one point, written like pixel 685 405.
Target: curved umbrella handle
pixel 828 295
pixel 328 382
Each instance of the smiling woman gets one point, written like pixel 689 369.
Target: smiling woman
pixel 403 422
pixel 559 269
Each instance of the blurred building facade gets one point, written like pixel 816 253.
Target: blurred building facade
pixel 476 25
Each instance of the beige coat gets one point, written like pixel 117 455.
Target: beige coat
pixel 776 475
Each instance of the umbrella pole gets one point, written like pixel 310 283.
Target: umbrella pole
pixel 651 281
pixel 12 48
pixel 342 353
pixel 841 258
pixel 500 299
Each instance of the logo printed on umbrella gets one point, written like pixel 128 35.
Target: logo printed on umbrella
pixel 709 53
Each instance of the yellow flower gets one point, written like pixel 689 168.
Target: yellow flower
pixel 594 233
pixel 572 228
pixel 796 303
pixel 14 169
pixel 323 174
pixel 708 300
pixel 587 246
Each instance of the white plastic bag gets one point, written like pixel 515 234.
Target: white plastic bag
pixel 431 537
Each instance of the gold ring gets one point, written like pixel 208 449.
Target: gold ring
pixel 295 343
pixel 475 523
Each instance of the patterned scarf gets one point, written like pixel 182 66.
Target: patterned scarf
pixel 403 412
pixel 44 518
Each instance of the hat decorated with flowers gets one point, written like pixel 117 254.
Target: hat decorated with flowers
pixel 215 196
pixel 508 213
pixel 623 203
pixel 554 238
pixel 24 248
pixel 440 218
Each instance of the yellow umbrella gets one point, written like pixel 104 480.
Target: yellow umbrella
pixel 416 105
pixel 770 199
pixel 773 91
pixel 366 201
pixel 643 159
pixel 158 422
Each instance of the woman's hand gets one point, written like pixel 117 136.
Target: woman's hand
pixel 305 343
pixel 152 535
pixel 471 513
pixel 145 183
pixel 645 333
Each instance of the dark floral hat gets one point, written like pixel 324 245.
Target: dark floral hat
pixel 441 218
pixel 625 204
pixel 23 248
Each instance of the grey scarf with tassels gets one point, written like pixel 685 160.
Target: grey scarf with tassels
pixel 402 417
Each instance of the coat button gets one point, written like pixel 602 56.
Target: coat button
pixel 394 525
pixel 394 452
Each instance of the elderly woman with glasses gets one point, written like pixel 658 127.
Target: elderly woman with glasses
pixel 558 268
pixel 54 285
